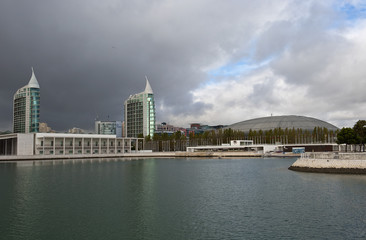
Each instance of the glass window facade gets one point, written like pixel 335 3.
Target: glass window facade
pixel 106 127
pixel 26 110
pixel 140 114
pixel 34 109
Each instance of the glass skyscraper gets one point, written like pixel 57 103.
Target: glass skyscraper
pixel 140 113
pixel 26 107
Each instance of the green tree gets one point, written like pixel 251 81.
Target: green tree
pixel 347 136
pixel 156 137
pixel 177 135
pixel 165 136
pixel 360 130
pixel 191 135
pixel 260 134
pixel 250 134
pixel 148 138
pixel 228 134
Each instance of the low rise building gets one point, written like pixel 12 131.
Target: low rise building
pixel 65 144
pixel 234 146
pixel 169 129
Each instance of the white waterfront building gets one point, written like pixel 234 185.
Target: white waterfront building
pixel 66 144
pixel 234 146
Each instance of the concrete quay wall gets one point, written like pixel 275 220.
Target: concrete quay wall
pixel 131 155
pixel 344 163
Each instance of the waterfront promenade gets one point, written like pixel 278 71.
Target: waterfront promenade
pixel 132 155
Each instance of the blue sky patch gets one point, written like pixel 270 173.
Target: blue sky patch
pixel 353 12
pixel 242 67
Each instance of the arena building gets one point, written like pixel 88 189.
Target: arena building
pixel 283 122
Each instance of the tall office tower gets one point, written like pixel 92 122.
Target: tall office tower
pixel 140 113
pixel 26 106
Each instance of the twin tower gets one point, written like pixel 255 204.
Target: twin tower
pixel 140 113
pixel 139 110
pixel 26 107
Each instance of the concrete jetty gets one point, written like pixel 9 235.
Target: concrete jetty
pixel 333 162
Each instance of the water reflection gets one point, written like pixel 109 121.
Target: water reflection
pixel 177 199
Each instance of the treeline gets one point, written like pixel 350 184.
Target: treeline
pixel 353 136
pixel 178 141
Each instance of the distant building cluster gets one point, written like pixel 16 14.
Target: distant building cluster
pixel 139 121
pixel 197 128
pixel 168 129
pixel 140 118
pixel 139 114
pixel 30 137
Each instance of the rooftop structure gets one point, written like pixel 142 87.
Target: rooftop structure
pixel 44 128
pixel 109 128
pixel 283 122
pixel 76 130
pixel 26 107
pixel 139 114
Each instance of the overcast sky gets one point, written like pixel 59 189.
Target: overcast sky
pixel 208 61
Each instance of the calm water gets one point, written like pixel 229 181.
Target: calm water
pixel 178 199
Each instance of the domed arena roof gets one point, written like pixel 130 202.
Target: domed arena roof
pixel 283 122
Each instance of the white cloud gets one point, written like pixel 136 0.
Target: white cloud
pixel 325 79
pixel 252 96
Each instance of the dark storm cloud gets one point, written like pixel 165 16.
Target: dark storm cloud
pixel 89 56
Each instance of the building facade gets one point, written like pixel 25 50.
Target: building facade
pixel 63 144
pixel 109 128
pixel 139 113
pixel 22 144
pixel 26 107
pixel 168 129
pixel 235 146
